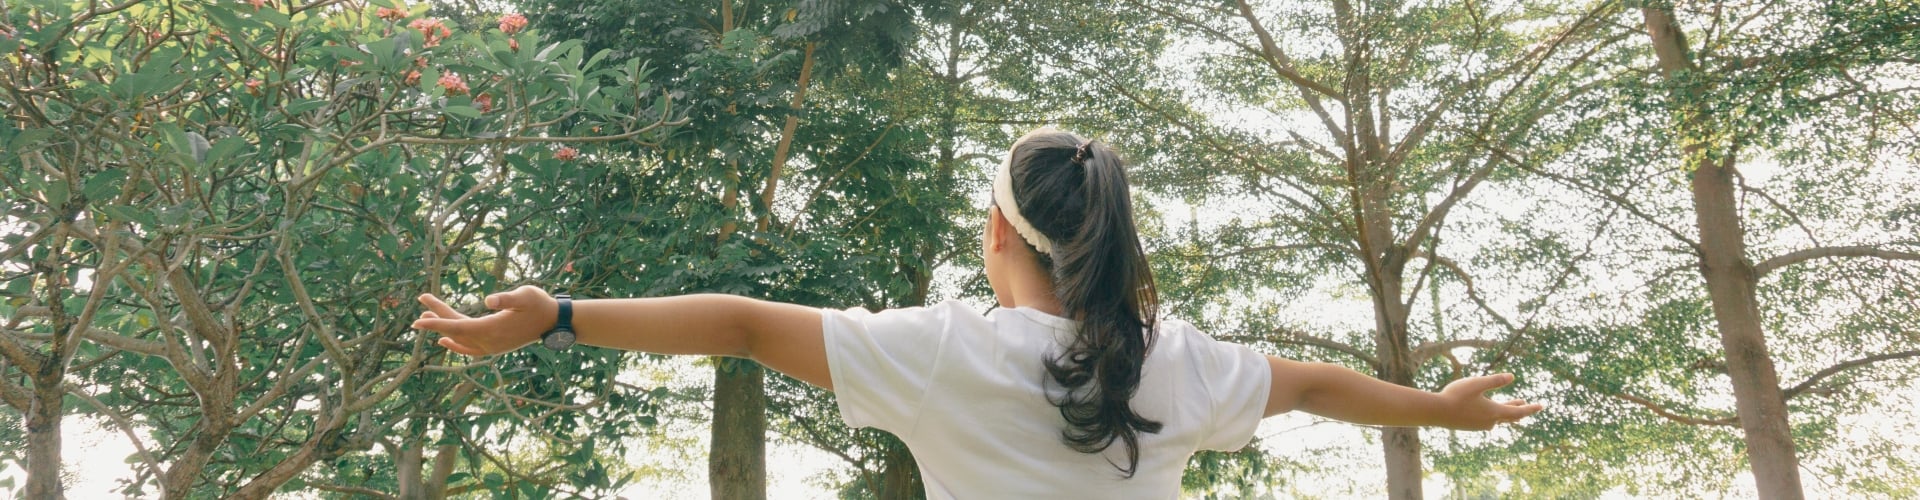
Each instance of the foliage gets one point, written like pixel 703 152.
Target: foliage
pixel 218 213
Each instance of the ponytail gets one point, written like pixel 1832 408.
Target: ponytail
pixel 1074 192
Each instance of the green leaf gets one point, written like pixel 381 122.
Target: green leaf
pixel 462 111
pixel 103 185
pixel 28 138
pixel 127 213
pixel 299 106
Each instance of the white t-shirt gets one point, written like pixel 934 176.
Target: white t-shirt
pixel 966 394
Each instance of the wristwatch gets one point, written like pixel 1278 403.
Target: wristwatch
pixel 561 336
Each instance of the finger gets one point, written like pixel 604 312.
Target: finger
pixel 442 325
pixel 428 314
pixel 1515 413
pixel 1515 402
pixel 457 347
pixel 502 301
pixel 1482 384
pixel 434 304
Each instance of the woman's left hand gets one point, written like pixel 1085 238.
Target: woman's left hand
pixel 1474 411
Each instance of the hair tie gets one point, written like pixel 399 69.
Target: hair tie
pixel 1082 152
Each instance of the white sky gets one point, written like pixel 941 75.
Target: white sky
pixel 97 455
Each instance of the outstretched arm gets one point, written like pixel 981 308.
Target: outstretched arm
pixel 1340 393
pixel 784 337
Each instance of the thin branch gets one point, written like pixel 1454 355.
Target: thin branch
pixel 111 339
pixel 1278 60
pixel 1296 337
pixel 356 490
pixel 1802 387
pixel 1799 256
pixel 126 427
pixel 1429 350
pixel 1616 199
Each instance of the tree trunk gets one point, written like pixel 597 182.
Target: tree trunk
pixel 407 465
pixel 443 462
pixel 1385 261
pixel 43 432
pixel 1401 445
pixel 736 464
pixel 900 475
pixel 1730 284
pixel 1730 277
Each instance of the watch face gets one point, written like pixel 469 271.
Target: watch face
pixel 559 339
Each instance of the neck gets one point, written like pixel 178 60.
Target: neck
pixel 1032 287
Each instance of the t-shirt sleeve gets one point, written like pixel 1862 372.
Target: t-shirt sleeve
pixel 1237 381
pixel 882 363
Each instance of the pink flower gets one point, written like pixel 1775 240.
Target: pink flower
pixel 453 84
pixel 513 23
pixel 390 14
pixel 253 86
pixel 485 102
pixel 412 78
pixel 513 44
pixel 432 29
pixel 257 4
pixel 566 154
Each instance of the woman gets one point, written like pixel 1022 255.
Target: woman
pixel 1071 388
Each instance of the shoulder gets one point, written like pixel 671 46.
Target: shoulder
pixel 946 315
pixel 1181 339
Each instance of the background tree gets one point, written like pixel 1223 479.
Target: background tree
pixel 1356 140
pixel 1772 111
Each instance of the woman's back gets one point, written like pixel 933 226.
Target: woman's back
pixel 968 394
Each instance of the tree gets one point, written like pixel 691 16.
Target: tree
pixel 1797 86
pixel 215 216
pixel 1364 140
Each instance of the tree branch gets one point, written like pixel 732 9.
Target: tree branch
pixel 1296 337
pixel 1799 256
pixel 1616 199
pixel 1278 60
pixel 1429 350
pixel 355 490
pixel 126 427
pixel 1802 387
pixel 111 339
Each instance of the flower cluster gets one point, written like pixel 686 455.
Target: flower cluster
pixel 484 102
pixel 453 84
pixel 432 29
pixel 390 14
pixel 566 153
pixel 513 23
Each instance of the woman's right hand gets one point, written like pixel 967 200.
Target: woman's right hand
pixel 521 317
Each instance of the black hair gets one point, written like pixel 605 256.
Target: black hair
pixel 1074 191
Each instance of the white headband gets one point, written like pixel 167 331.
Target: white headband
pixel 1003 196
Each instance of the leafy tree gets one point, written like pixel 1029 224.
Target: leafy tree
pixel 1765 129
pixel 216 214
pixel 1362 135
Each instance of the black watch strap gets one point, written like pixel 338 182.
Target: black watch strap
pixel 561 336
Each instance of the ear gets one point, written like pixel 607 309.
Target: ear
pixel 997 229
